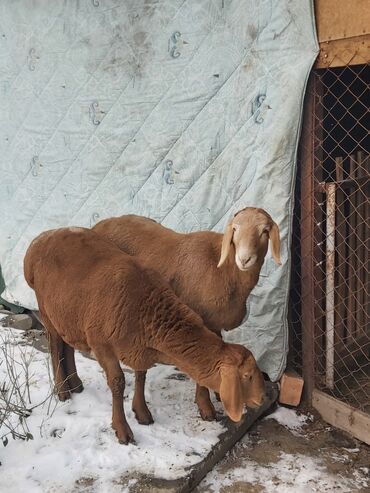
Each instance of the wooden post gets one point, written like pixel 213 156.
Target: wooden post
pixel 362 250
pixel 352 244
pixel 339 175
pixel 342 257
pixel 312 216
pixel 306 233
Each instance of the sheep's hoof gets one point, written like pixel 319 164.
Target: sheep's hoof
pixel 208 414
pixel 63 391
pixel 144 417
pixel 148 420
pixel 64 395
pixel 127 441
pixel 78 388
pixel 74 383
pixel 125 436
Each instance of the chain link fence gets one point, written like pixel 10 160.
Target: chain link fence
pixel 329 309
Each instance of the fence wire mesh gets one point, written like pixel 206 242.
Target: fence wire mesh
pixel 329 309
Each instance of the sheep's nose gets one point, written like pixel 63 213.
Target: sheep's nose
pixel 246 261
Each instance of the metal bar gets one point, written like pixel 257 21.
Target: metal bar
pixel 330 270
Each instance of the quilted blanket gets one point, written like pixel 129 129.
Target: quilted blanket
pixel 182 110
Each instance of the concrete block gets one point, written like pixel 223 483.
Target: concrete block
pixel 19 321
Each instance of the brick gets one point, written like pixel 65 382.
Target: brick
pixel 291 386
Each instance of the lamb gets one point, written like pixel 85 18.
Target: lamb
pixel 211 273
pixel 95 298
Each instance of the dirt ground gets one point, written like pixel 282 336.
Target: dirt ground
pixel 317 458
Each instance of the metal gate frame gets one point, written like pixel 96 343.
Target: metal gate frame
pixel 315 351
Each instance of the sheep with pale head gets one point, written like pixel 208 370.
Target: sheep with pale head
pixel 212 273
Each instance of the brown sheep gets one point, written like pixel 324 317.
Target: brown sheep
pixel 95 298
pixel 211 273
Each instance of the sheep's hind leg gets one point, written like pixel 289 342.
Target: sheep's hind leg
pixel 205 406
pixel 116 382
pixel 56 349
pixel 139 405
pixel 73 379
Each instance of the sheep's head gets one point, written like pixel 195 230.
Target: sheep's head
pixel 241 382
pixel 249 232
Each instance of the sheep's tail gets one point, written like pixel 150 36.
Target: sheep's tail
pixel 29 263
pixel 29 259
pixel 28 271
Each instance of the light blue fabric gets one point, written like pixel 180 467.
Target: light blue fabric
pixel 182 110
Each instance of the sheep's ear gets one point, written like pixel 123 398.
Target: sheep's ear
pixel 226 242
pixel 274 236
pixel 231 392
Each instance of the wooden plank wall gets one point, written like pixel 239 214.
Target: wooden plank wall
pixel 342 415
pixel 343 29
pixel 340 19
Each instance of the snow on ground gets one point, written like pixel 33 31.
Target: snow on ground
pixel 289 418
pixel 290 452
pixel 74 448
pixel 292 473
pixel 74 440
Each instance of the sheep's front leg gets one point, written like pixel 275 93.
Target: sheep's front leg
pixel 139 405
pixel 116 382
pixel 205 406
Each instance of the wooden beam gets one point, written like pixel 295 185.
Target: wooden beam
pixel 342 415
pixel 342 52
pixel 306 159
pixel 312 275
